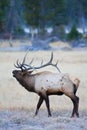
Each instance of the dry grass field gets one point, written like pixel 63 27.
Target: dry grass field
pixel 17 106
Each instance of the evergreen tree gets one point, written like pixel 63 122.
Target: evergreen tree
pixel 4 4
pixel 49 11
pixel 32 10
pixel 74 34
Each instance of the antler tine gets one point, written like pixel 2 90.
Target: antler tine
pixel 18 64
pixel 31 61
pixel 23 65
pixel 24 59
pixel 49 62
pixel 55 65
pixel 51 58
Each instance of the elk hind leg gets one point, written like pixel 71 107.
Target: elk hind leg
pixel 75 101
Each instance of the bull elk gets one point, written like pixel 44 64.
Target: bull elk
pixel 47 83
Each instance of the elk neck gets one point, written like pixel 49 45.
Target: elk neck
pixel 28 82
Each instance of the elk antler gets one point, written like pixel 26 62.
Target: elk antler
pixel 44 65
pixel 24 66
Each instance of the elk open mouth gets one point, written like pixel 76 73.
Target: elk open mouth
pixel 13 73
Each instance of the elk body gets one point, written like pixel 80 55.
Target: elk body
pixel 46 84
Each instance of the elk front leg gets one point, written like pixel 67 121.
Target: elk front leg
pixel 39 104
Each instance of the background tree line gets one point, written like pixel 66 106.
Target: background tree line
pixel 41 14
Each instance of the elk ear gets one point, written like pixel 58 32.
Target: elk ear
pixel 29 72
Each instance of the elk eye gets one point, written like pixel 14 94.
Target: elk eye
pixel 23 73
pixel 20 73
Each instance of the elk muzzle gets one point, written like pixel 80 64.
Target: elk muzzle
pixel 14 73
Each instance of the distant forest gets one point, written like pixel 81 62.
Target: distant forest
pixel 15 15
